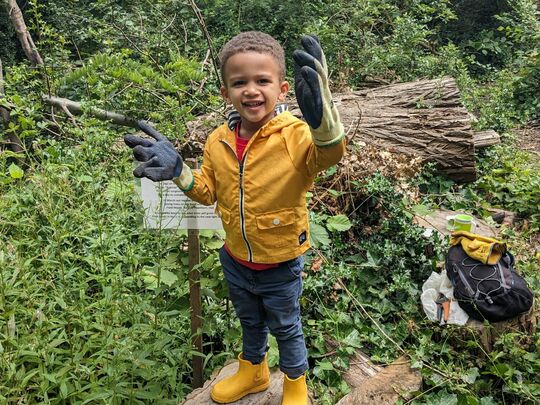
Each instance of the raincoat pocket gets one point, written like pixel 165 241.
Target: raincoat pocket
pixel 278 227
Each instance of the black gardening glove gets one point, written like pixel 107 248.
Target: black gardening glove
pixel 313 94
pixel 160 160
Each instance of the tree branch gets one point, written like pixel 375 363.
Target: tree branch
pixel 27 43
pixel 200 19
pixel 75 107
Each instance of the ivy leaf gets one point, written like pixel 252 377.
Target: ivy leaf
pixel 318 235
pixel 442 398
pixel 15 171
pixel 273 352
pixel 421 210
pixel 168 277
pixel 470 375
pixel 214 243
pixel 353 339
pixel 338 223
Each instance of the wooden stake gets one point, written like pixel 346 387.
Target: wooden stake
pixel 194 256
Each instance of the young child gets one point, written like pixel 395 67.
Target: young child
pixel 258 167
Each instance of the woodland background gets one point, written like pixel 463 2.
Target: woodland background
pixel 95 309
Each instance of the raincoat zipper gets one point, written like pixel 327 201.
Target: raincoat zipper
pixel 241 166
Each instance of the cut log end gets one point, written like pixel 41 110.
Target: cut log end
pixel 271 396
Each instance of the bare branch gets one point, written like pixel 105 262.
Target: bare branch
pixel 200 19
pixel 77 108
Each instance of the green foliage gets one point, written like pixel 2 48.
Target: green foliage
pixel 510 180
pixel 383 269
pixel 93 308
pixel 382 40
pixel 286 20
pixel 9 49
pixel 137 88
pixel 92 305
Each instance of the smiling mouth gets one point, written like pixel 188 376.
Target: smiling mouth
pixel 253 104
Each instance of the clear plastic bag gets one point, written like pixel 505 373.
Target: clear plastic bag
pixel 436 286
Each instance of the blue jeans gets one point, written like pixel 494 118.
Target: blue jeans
pixel 268 300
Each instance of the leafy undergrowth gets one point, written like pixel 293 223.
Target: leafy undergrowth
pixel 365 292
pixel 96 308
pixel 93 307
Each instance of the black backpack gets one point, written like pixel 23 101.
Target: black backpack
pixel 492 292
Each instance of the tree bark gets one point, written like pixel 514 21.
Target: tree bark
pixel 27 43
pixel 270 396
pixel 394 382
pixel 13 141
pixel 486 138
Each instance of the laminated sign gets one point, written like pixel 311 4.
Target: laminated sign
pixel 166 206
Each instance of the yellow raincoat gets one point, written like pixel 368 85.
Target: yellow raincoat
pixel 262 199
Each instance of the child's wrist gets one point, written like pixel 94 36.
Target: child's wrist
pixel 186 180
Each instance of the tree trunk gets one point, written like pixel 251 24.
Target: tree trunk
pixel 397 381
pixel 17 19
pixel 483 139
pixel 422 119
pixel 271 396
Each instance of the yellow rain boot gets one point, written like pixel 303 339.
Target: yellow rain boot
pixel 249 378
pixel 295 391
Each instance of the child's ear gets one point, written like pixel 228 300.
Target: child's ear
pixel 225 94
pixel 284 90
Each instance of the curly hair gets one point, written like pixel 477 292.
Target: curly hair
pixel 254 41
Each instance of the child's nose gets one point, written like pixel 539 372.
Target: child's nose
pixel 251 88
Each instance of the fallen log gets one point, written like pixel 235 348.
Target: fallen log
pixel 488 333
pixel 437 220
pixel 421 119
pixel 487 138
pixel 392 383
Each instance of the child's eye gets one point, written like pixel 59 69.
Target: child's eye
pixel 264 81
pixel 237 83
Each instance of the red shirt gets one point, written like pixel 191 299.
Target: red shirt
pixel 241 144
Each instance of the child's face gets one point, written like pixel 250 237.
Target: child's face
pixel 253 86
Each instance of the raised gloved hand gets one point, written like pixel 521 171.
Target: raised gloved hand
pixel 313 94
pixel 160 161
